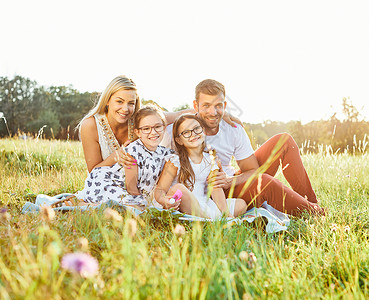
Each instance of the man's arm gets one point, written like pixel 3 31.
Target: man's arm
pixel 248 166
pixel 172 116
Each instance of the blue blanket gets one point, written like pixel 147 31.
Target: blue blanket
pixel 277 221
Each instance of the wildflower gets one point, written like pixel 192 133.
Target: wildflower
pixel 347 228
pixel 82 244
pixel 249 258
pixel 314 233
pixel 47 213
pixel 81 263
pixel 54 249
pixel 179 230
pixel 252 257
pixel 4 215
pixel 244 256
pixel 113 215
pixel 252 260
pixel 246 297
pixel 334 227
pixel 131 227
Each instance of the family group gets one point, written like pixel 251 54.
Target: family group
pixel 141 156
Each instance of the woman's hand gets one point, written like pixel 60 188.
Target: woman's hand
pixel 231 120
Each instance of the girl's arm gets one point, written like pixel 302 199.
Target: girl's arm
pixel 91 146
pixel 168 174
pixel 131 174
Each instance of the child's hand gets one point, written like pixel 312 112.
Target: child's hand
pixel 164 201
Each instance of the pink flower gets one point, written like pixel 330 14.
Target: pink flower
pixel 4 215
pixel 81 263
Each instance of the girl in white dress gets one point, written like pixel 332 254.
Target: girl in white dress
pixel 196 166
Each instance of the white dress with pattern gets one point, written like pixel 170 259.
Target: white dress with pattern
pixel 108 182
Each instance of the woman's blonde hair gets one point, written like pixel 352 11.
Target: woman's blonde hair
pixel 186 174
pixel 121 82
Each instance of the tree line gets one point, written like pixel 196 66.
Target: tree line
pixel 54 112
pixel 28 107
pixel 350 134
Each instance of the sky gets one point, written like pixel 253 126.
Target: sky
pixel 279 60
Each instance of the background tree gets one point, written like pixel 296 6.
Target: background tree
pixel 16 97
pixel 28 107
pixel 182 107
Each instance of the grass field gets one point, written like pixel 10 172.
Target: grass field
pixel 317 257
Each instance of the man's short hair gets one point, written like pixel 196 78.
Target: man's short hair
pixel 209 87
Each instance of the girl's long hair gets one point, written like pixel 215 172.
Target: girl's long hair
pixel 186 174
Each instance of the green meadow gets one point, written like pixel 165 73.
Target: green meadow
pixel 148 257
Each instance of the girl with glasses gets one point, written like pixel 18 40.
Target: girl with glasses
pixel 197 165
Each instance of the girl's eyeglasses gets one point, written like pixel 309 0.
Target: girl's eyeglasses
pixel 188 133
pixel 148 129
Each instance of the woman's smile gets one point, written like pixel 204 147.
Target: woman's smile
pixel 121 106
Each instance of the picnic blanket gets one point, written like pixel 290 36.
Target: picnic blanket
pixel 277 221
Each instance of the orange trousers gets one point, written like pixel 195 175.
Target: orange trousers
pixel 267 188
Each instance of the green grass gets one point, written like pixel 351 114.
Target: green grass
pixel 312 259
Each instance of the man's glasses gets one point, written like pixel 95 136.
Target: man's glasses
pixel 187 133
pixel 148 129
